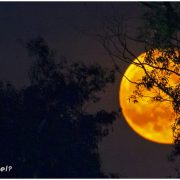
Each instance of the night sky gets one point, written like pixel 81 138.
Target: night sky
pixel 69 28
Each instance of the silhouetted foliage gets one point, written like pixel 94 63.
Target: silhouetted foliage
pixel 161 31
pixel 159 34
pixel 45 129
pixel 160 28
pixel 160 37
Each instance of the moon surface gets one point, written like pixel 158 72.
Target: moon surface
pixel 151 120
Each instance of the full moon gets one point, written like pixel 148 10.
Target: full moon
pixel 151 120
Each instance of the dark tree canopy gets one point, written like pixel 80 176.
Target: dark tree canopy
pixel 45 129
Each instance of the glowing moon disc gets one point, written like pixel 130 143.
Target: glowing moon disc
pixel 151 120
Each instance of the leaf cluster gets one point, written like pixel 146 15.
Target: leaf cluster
pixel 45 129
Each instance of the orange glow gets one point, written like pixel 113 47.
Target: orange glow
pixel 151 120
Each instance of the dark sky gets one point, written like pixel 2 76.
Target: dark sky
pixel 68 28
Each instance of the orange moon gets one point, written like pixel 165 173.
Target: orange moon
pixel 151 120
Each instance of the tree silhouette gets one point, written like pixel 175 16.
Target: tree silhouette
pixel 161 42
pixel 46 130
pixel 159 34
